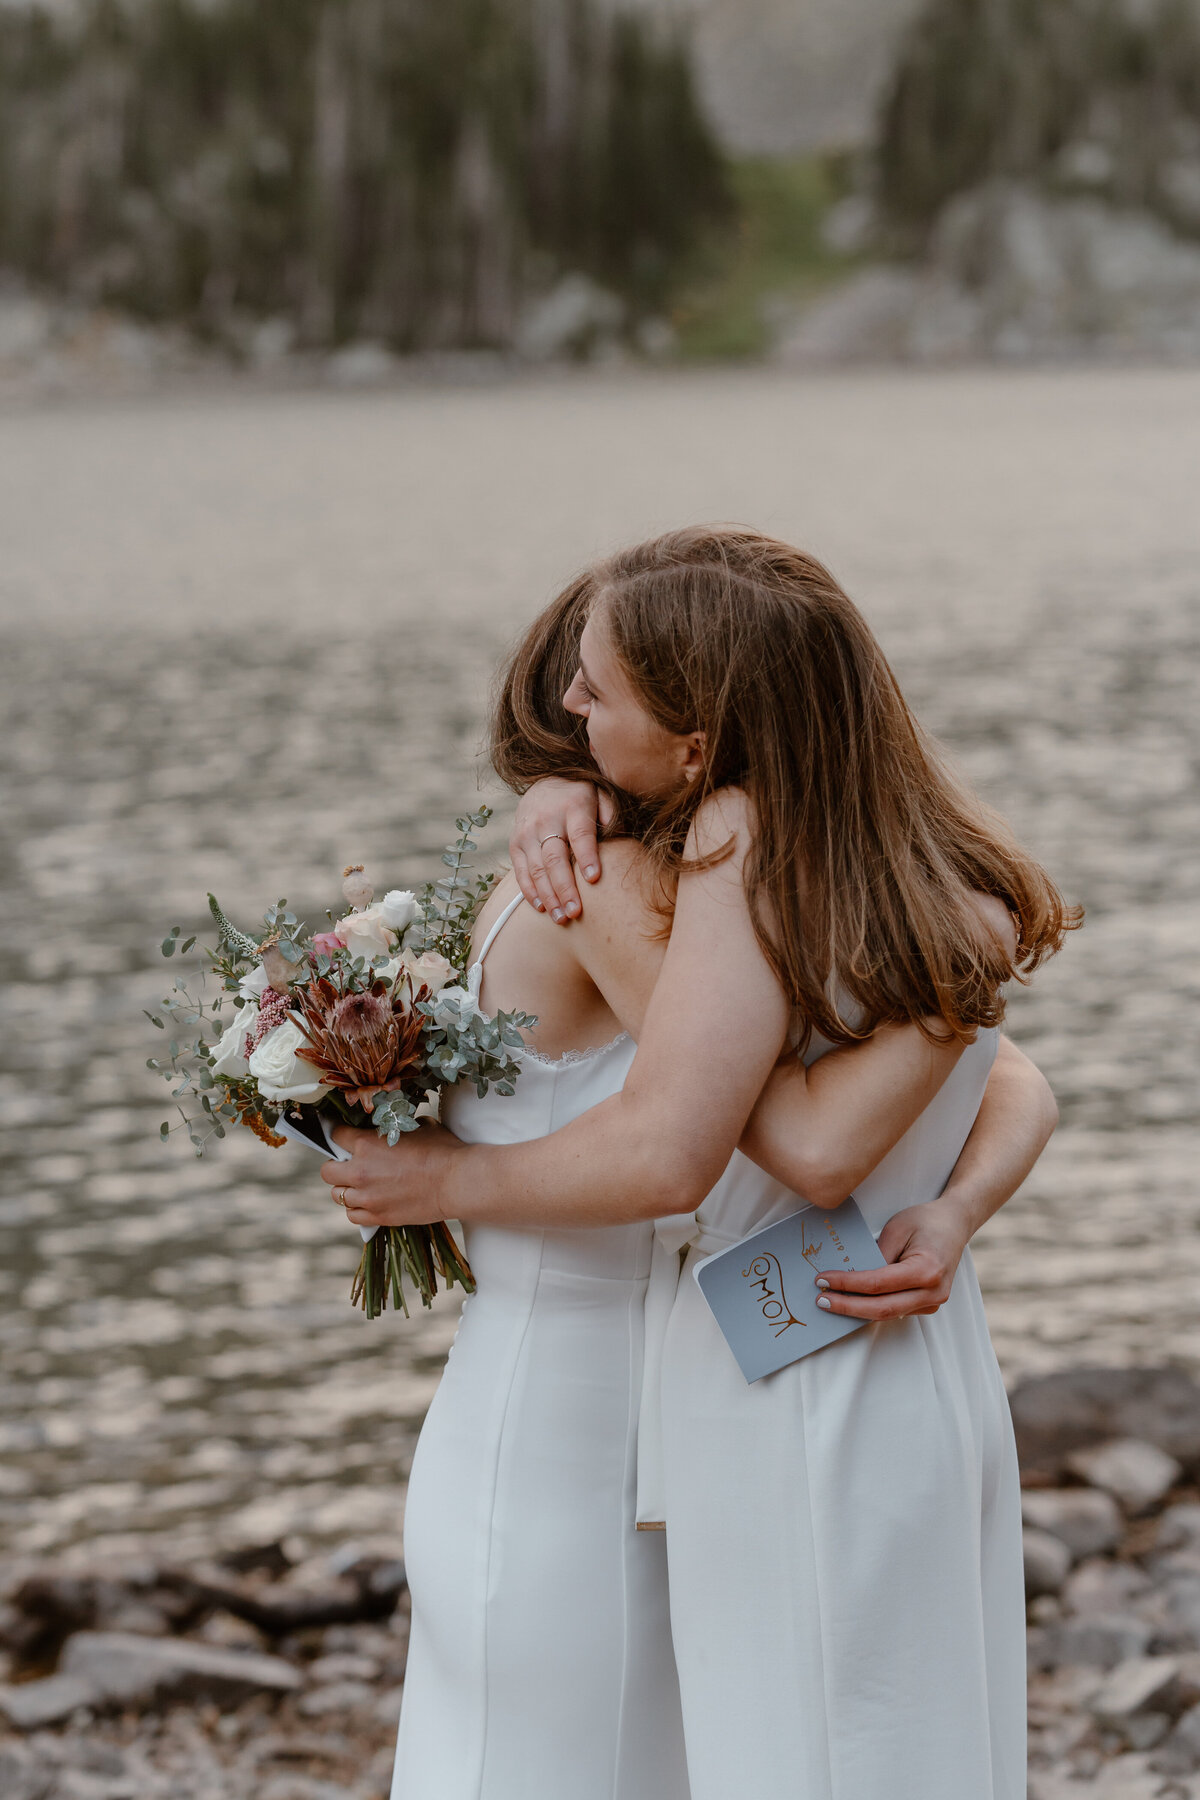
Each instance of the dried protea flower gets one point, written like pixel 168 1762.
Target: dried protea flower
pixel 362 1043
pixel 355 886
pixel 276 967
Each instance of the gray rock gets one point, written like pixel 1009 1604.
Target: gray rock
pixel 144 1672
pixel 1142 1731
pixel 30 1705
pixel 1180 1753
pixel 361 364
pixel 1098 1640
pixel 26 326
pixel 1100 1584
pixel 1140 1684
pixel 867 318
pixel 574 319
pixel 1180 1591
pixel 1047 1563
pixel 1085 1519
pixel 337 1697
pixel 85 1784
pixel 303 1787
pixel 344 1667
pixel 21 1778
pixel 1135 1473
pixel 1055 1414
pixel 850 225
pixel 386 1709
pixel 656 338
pixel 1125 1778
pixel 1179 1527
pixel 139 1617
pixel 1188 1681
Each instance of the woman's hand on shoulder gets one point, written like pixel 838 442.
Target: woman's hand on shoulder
pixel 556 822
pixel 391 1184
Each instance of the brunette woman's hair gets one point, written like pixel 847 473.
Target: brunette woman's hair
pixel 868 852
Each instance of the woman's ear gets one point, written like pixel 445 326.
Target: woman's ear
pixel 693 762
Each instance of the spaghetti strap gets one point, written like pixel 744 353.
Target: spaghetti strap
pixel 492 935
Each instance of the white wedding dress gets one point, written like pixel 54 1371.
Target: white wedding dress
pixel 540 1663
pixel 844 1537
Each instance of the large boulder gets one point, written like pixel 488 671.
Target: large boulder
pixel 1056 1414
pixel 1084 1519
pixel 577 318
pixel 1137 1474
pixel 1011 272
pixel 140 1673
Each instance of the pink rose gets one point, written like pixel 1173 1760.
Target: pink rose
pixel 326 943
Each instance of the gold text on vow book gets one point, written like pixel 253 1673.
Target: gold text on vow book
pixel 763 1294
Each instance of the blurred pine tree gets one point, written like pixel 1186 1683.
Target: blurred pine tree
pixel 397 169
pixel 1102 95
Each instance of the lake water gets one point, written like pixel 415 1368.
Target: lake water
pixel 247 639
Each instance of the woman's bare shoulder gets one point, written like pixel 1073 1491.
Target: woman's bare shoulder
pixel 995 916
pixel 625 893
pixel 723 826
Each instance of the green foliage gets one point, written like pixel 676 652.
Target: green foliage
pixel 768 248
pixel 400 169
pixel 987 89
pixel 449 906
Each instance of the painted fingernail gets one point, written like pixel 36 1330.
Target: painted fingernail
pixel 821 1282
pixel 572 908
pixel 538 906
pixel 591 871
pixel 557 915
pixel 825 1302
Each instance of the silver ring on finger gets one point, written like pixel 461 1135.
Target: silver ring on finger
pixel 550 837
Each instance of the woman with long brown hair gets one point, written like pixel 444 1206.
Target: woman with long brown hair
pixel 843 1536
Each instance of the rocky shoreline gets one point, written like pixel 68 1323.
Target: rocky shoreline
pixel 258 1675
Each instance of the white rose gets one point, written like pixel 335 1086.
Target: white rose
pixel 254 985
pixel 398 909
pixel 458 1006
pixel 230 1052
pixel 281 1074
pixel 365 933
pixel 429 968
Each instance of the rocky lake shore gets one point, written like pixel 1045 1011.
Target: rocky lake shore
pixel 258 1676
pixel 248 639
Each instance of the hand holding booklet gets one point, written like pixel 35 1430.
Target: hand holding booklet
pixel 762 1291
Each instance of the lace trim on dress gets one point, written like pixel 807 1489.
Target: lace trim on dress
pixel 574 1056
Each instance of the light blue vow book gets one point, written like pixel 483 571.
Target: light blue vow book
pixel 762 1292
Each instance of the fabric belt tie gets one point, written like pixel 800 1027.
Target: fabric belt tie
pixel 675 1239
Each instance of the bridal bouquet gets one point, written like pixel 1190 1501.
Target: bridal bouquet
pixel 363 1023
